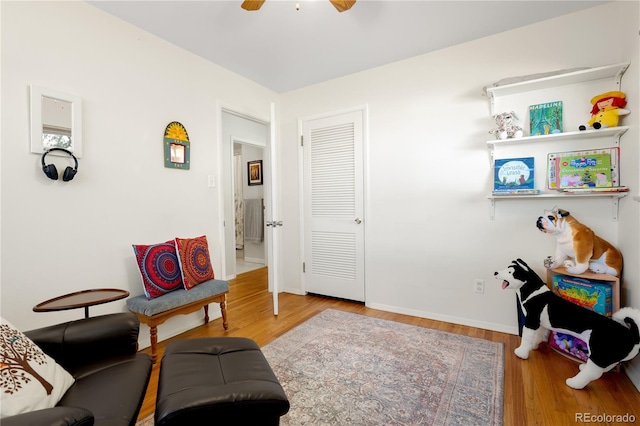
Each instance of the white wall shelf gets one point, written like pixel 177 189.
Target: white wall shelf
pixel 615 197
pixel 613 132
pixel 559 195
pixel 613 72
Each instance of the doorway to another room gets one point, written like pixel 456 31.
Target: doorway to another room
pixel 245 148
pixel 250 253
pixel 256 167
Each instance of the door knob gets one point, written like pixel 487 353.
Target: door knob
pixel 358 220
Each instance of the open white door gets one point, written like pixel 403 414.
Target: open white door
pixel 272 215
pixel 245 129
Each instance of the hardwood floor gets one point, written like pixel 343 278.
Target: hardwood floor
pixel 534 390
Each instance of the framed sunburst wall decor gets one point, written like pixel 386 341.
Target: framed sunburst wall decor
pixel 176 146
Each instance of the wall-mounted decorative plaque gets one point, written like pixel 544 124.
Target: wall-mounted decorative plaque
pixel 176 146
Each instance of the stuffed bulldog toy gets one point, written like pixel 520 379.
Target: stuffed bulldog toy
pixel 607 109
pixel 578 247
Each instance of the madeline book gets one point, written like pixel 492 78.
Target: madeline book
pixel 591 169
pixel 545 119
pixel 514 175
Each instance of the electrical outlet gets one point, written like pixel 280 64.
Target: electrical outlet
pixel 478 285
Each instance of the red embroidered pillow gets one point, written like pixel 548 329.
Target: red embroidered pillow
pixel 195 262
pixel 159 268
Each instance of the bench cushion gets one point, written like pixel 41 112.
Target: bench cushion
pixel 166 302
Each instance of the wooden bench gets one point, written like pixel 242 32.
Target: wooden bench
pixel 154 312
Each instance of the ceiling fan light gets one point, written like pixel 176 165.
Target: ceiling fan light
pixel 342 5
pixel 252 4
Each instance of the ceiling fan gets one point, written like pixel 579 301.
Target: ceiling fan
pixel 340 5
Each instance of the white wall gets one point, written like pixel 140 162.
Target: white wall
pixel 62 237
pixel 427 229
pixel 629 223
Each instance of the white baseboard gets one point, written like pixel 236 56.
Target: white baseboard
pixel 446 318
pixel 254 260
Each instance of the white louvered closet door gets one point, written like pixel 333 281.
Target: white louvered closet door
pixel 333 206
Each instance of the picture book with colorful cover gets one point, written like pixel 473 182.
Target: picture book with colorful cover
pixel 597 168
pixel 514 175
pixel 594 295
pixel 545 119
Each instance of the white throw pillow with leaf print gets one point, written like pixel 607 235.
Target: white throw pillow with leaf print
pixel 29 379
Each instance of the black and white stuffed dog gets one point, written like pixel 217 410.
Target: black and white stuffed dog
pixel 610 340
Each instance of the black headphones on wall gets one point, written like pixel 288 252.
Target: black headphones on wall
pixel 51 171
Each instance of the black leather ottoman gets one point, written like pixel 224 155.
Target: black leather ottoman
pixel 221 380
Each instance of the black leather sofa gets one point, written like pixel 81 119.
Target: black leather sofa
pixel 111 377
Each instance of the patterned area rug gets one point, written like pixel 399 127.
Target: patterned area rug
pixel 340 368
pixel 147 421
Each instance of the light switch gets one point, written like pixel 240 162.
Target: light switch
pixel 212 181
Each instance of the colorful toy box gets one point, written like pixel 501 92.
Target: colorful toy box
pixel 591 294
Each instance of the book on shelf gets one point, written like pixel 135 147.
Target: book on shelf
pixel 594 295
pixel 588 169
pixel 545 118
pixel 513 175
pixel 517 192
pixel 612 190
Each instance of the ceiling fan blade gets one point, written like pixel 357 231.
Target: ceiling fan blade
pixel 252 4
pixel 342 5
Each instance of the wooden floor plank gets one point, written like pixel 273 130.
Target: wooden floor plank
pixel 535 392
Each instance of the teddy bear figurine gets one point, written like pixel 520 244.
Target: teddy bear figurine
pixel 507 128
pixel 607 109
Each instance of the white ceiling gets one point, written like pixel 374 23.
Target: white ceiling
pixel 284 49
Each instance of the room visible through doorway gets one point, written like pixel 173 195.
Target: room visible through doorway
pixel 249 208
pixel 243 266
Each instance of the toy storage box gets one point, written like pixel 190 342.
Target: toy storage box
pixel 591 294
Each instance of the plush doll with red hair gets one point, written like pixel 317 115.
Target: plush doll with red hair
pixel 607 109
